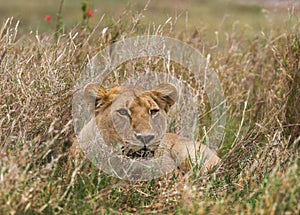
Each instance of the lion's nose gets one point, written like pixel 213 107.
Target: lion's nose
pixel 145 138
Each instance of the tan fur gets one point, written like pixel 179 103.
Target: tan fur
pixel 133 119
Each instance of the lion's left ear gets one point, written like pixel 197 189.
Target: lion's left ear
pixel 165 95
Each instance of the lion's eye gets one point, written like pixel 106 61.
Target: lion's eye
pixel 154 112
pixel 123 112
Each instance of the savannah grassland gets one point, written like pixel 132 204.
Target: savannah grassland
pixel 256 54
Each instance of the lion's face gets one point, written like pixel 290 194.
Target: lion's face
pixel 131 118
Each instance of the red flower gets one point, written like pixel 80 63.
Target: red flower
pixel 48 18
pixel 89 12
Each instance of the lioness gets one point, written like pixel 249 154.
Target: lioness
pixel 133 120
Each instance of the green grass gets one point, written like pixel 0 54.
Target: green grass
pixel 257 61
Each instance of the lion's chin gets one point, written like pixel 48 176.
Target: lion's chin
pixel 144 153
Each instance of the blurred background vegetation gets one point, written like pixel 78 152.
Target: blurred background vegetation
pixel 217 15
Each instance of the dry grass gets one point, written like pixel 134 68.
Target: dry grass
pixel 260 155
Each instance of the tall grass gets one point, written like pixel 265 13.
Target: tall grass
pixel 260 155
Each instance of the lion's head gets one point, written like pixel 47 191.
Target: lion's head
pixel 130 118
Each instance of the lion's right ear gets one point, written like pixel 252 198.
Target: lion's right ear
pixel 94 95
pixel 165 95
